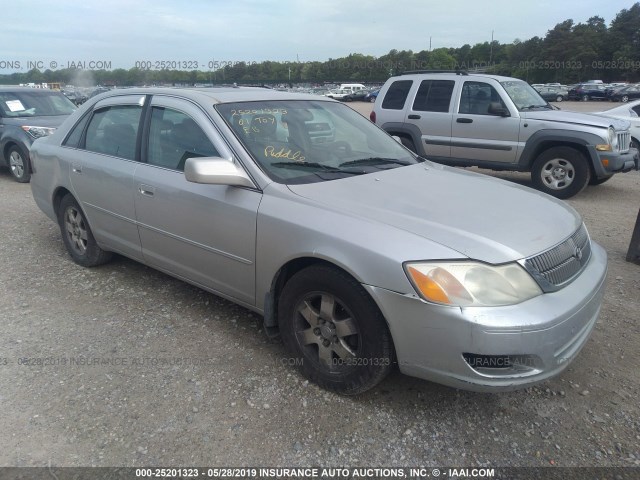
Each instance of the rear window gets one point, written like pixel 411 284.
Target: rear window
pixel 434 96
pixel 397 95
pixel 34 104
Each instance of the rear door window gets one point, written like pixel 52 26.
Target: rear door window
pixel 114 131
pixel 434 96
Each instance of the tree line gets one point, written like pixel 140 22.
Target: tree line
pixel 569 53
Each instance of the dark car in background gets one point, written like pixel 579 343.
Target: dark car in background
pixel 553 93
pixel 624 94
pixel 372 95
pixel 27 114
pixel 357 96
pixel 588 91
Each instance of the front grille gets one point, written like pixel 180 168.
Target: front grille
pixel 624 142
pixel 558 266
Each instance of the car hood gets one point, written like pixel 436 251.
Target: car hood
pixel 53 121
pixel 576 118
pixel 481 217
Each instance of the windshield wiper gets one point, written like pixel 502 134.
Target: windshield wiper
pixel 531 107
pixel 374 161
pixel 315 166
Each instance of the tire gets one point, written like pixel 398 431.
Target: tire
pixel 624 99
pixel 593 181
pixel 585 98
pixel 407 142
pixel 561 172
pixel 19 166
pixel 77 235
pixel 372 99
pixel 634 144
pixel 335 331
pixel 559 98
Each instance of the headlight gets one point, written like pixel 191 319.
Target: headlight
pixel 612 141
pixel 467 284
pixel 37 132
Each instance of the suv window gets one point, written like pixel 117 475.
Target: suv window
pixel 397 95
pixel 476 98
pixel 34 104
pixel 434 96
pixel 114 131
pixel 173 137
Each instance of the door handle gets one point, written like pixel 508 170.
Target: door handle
pixel 414 117
pixel 146 190
pixel 76 169
pixel 464 120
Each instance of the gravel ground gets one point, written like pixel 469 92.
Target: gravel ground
pixel 160 373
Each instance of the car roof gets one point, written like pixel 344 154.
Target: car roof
pixel 218 94
pixel 454 75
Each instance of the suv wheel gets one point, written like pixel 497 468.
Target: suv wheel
pixel 625 98
pixel 336 333
pixel 18 164
pixel 560 171
pixel 585 98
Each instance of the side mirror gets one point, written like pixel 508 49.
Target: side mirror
pixel 496 108
pixel 215 171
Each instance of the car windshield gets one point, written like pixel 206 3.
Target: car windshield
pixel 524 96
pixel 34 104
pixel 305 141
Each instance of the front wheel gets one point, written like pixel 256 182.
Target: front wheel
pixel 335 331
pixel 372 99
pixel 559 98
pixel 585 98
pixel 560 171
pixel 77 235
pixel 19 164
pixel 625 98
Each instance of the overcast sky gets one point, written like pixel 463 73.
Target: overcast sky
pixel 125 31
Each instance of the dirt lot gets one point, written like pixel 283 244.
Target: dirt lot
pixel 142 369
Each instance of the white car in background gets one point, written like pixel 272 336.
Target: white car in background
pixel 630 112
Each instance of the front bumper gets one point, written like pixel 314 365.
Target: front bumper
pixel 547 331
pixel 612 162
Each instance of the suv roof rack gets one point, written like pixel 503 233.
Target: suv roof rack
pixel 457 72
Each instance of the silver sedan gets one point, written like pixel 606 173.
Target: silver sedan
pixel 361 255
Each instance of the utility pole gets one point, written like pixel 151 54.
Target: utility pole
pixel 491 49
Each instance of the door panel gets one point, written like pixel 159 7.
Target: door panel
pixel 478 135
pixel 204 233
pixel 102 178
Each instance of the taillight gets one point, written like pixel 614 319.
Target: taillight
pixel 372 116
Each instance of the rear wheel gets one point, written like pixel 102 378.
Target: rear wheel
pixel 18 162
pixel 625 98
pixel 77 235
pixel 334 330
pixel 585 98
pixel 559 98
pixel 560 171
pixel 372 99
